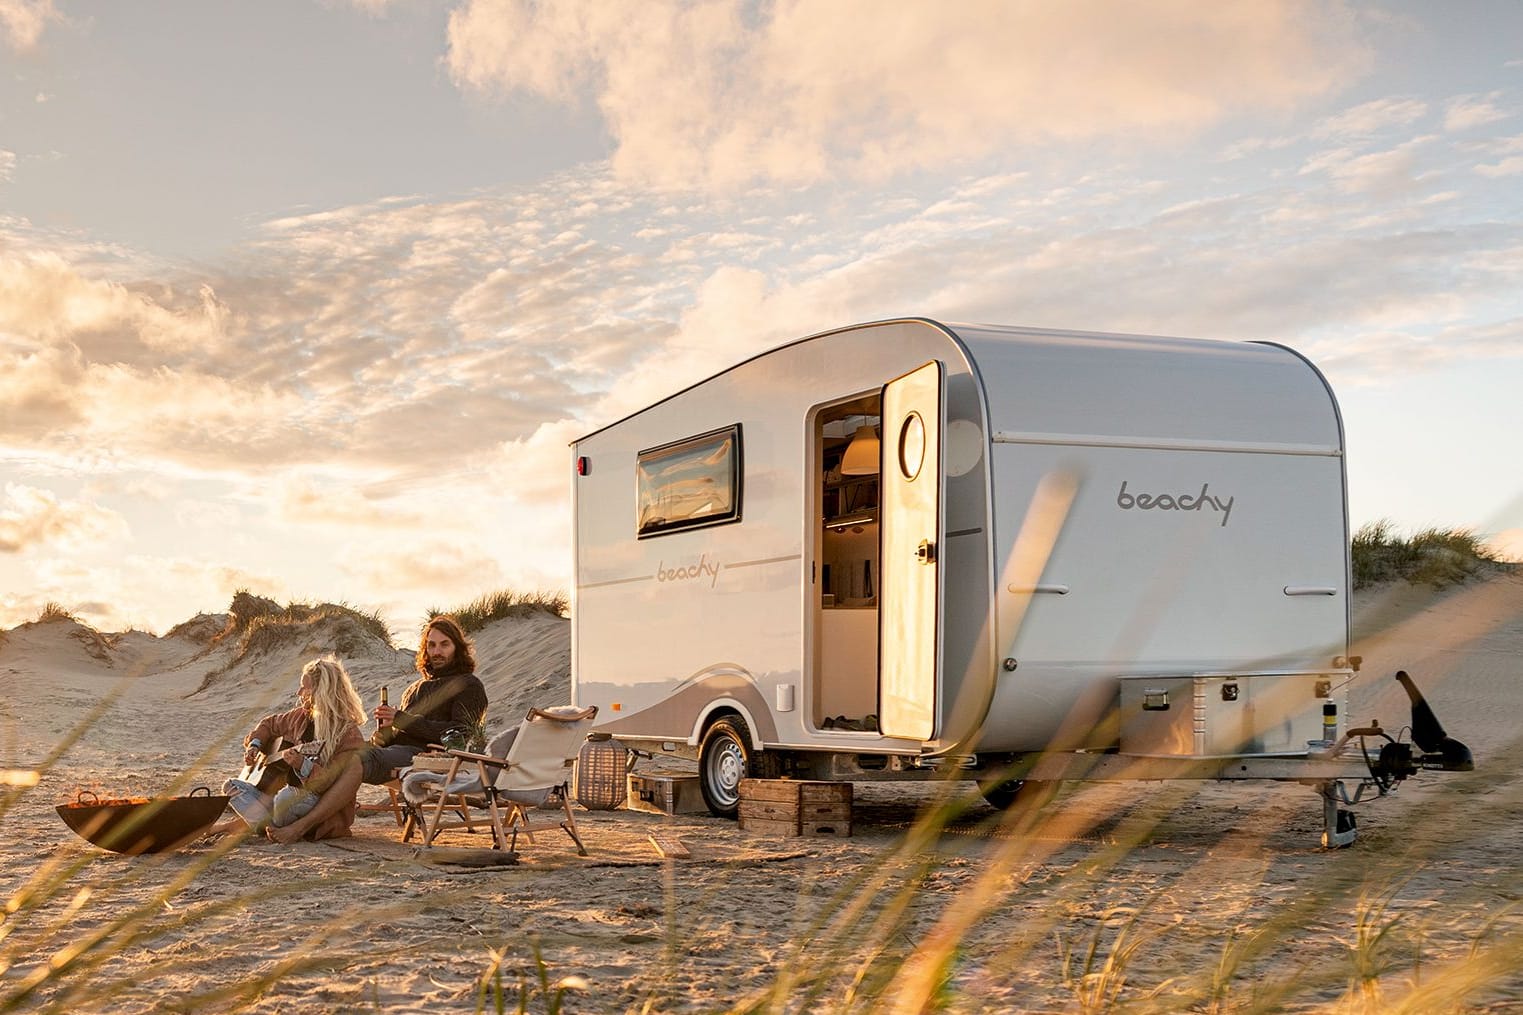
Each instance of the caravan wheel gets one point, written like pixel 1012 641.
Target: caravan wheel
pixel 724 760
pixel 1001 794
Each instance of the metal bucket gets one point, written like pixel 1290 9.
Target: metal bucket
pixel 141 825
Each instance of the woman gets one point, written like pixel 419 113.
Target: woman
pixel 325 727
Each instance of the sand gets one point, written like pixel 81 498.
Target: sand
pixel 1175 886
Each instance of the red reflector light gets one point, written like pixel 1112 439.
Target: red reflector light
pixel 582 465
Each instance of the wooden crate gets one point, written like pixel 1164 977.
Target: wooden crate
pixel 789 807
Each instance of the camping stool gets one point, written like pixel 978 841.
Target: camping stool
pixel 602 773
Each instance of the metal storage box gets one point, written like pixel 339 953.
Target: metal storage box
pixel 1227 714
pixel 661 793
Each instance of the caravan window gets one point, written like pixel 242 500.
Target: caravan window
pixel 689 483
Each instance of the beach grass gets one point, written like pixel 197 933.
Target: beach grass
pixel 53 612
pixel 888 937
pixel 1431 556
pixel 503 604
pixel 923 925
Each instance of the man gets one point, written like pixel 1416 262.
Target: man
pixel 446 699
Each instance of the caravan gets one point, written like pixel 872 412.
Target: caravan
pixel 904 547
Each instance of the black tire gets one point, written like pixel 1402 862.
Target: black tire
pixel 726 757
pixel 1001 794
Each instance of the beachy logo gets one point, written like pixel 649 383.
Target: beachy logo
pixel 1175 502
pixel 684 574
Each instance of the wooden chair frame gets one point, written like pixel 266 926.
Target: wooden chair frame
pixel 509 816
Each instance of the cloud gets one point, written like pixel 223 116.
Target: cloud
pixel 50 300
pixel 7 165
pixel 22 22
pixel 31 518
pixel 447 562
pixel 1510 166
pixel 1384 173
pixel 1471 111
pixel 1370 118
pixel 139 591
pixel 1508 544
pixel 722 93
pixel 408 372
pixel 341 505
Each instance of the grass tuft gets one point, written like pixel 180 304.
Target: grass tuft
pixel 53 612
pixel 1433 556
pixel 352 628
pixel 482 610
pixel 262 625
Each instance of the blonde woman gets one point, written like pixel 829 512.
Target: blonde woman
pixel 325 727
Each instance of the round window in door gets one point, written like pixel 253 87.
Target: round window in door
pixel 911 445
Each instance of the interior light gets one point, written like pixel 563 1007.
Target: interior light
pixel 861 458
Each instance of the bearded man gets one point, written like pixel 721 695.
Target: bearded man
pixel 445 705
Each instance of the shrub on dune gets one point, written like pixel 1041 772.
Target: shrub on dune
pixel 1432 556
pixel 506 603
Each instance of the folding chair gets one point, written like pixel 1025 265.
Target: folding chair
pixel 527 766
pixel 392 805
pixel 464 793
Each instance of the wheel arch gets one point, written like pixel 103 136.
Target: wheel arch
pixel 718 709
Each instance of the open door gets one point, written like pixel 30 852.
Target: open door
pixel 910 586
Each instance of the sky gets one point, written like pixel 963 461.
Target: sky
pixel 308 297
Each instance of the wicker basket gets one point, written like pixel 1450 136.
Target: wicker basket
pixel 602 770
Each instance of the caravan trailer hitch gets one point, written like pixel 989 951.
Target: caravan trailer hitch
pixel 1396 759
pixel 1395 762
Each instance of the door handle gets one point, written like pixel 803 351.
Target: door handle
pixel 925 553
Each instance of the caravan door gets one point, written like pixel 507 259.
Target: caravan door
pixel 909 597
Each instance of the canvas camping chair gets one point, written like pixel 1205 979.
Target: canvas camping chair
pixel 457 787
pixel 533 772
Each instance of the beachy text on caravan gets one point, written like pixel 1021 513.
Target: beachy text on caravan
pixel 1175 502
pixel 682 574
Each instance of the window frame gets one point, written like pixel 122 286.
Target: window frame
pixel 736 479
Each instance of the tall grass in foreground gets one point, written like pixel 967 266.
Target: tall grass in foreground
pixel 481 611
pixel 876 937
pixel 1432 556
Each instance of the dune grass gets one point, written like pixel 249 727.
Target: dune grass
pixel 882 936
pixel 257 625
pixel 878 937
pixel 481 611
pixel 1431 556
pixel 353 627
pixel 54 612
pixel 260 623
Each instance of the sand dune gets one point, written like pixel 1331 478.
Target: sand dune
pixel 1191 877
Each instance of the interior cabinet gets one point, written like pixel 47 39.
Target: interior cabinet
pixel 850 544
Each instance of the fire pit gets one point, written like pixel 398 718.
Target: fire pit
pixel 136 825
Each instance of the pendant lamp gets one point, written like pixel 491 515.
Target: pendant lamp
pixel 861 458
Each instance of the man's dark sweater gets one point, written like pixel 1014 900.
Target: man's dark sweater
pixel 431 706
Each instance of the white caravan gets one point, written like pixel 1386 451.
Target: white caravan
pixel 894 548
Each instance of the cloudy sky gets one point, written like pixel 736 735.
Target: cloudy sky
pixel 308 296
